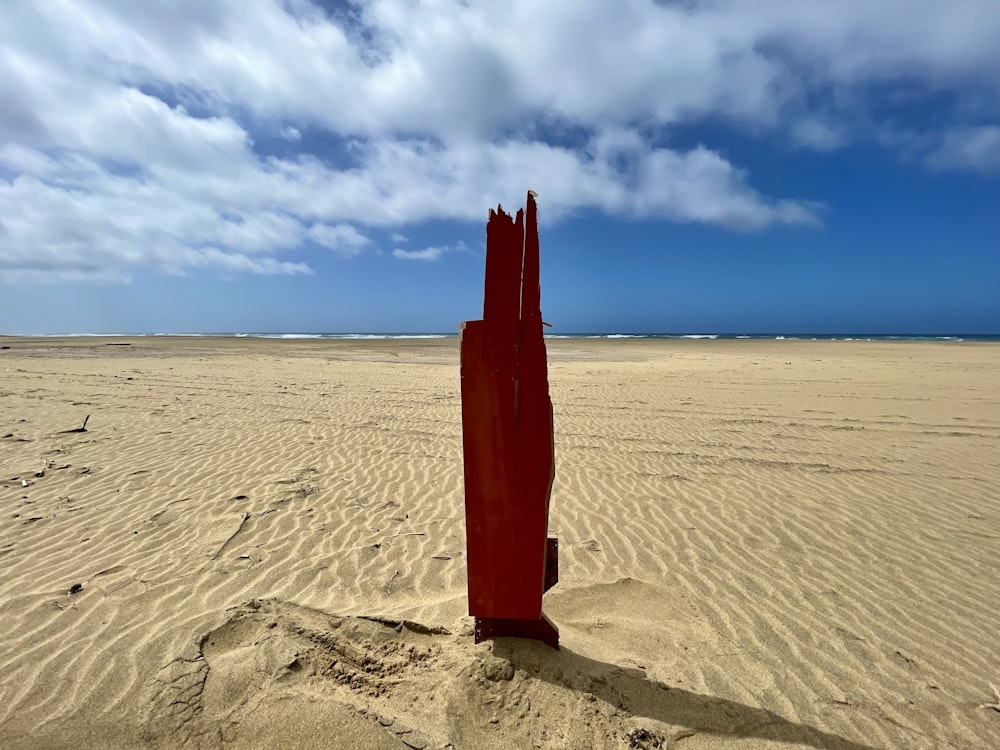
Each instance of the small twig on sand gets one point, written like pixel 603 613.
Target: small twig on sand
pixel 408 533
pixel 994 706
pixel 77 429
pixel 246 517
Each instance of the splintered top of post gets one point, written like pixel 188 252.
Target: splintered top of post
pixel 531 294
pixel 511 266
pixel 494 213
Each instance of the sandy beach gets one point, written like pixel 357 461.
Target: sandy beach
pixel 261 543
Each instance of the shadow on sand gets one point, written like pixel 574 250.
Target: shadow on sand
pixel 631 690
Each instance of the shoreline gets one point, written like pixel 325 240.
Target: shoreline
pixel 445 351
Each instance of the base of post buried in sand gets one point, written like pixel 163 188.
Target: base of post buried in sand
pixel 541 629
pixel 497 627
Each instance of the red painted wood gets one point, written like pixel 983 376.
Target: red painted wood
pixel 488 445
pixel 502 295
pixel 539 628
pixel 533 460
pixel 507 429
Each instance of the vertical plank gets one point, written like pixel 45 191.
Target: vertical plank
pixel 507 436
pixel 533 439
pixel 489 369
pixel 488 445
pixel 502 293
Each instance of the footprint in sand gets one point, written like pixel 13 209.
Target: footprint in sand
pixel 340 676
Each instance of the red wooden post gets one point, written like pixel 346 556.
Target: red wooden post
pixel 507 439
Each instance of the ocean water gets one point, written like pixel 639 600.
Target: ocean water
pixel 710 336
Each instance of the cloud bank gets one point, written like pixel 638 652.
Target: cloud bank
pixel 242 136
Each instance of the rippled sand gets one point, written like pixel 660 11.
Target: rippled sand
pixel 763 545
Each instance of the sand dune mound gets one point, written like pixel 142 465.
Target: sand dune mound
pixel 274 673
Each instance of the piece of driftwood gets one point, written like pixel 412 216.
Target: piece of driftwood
pixel 508 440
pixel 243 521
pixel 82 428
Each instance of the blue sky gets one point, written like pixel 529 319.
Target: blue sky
pixel 256 165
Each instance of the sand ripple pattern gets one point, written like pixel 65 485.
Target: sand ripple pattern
pixel 823 527
pixel 771 545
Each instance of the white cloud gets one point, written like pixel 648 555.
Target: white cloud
pixel 976 148
pixel 128 139
pixel 343 238
pixel 816 133
pixel 402 181
pixel 34 276
pixel 428 253
pixel 459 68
